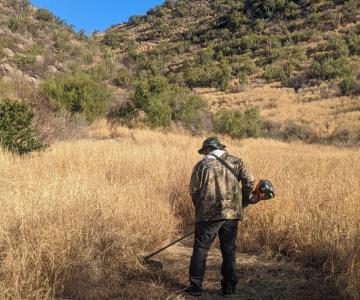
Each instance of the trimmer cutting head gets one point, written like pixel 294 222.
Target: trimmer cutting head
pixel 151 263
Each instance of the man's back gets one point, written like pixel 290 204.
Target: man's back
pixel 215 190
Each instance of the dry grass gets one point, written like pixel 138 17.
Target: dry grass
pixel 323 114
pixel 74 219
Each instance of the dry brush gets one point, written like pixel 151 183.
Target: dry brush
pixel 74 219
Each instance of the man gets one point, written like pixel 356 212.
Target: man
pixel 218 200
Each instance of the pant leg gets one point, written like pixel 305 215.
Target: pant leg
pixel 205 233
pixel 227 237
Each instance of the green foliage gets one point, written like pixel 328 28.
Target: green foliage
pixel 280 72
pixel 327 68
pixel 353 42
pixel 135 20
pixel 217 76
pixel 152 96
pixel 336 47
pixel 164 103
pixel 43 14
pixel 111 39
pixel 16 132
pixel 266 9
pixel 123 113
pixel 17 22
pixel 237 124
pixel 77 93
pixel 350 86
pixel 23 61
pixel 123 78
pixel 188 109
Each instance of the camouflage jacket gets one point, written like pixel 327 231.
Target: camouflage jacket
pixel 216 192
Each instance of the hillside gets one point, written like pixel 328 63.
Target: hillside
pixel 297 60
pixel 290 69
pixel 34 43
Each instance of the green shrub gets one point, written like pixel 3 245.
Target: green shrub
pixel 336 47
pixel 16 132
pixel 236 123
pixel 217 76
pixel 349 86
pixel 152 95
pixel 272 9
pixel 17 22
pixel 123 113
pixel 327 68
pixel 188 109
pixel 111 39
pixel 123 78
pixel 77 93
pixel 135 20
pixel 44 15
pixel 163 103
pixel 23 62
pixel 279 73
pixel 353 42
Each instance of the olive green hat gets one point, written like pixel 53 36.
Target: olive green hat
pixel 213 142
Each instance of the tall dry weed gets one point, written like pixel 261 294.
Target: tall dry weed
pixel 74 219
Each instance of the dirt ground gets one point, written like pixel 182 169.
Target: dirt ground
pixel 260 277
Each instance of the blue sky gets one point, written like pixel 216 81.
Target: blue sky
pixel 92 15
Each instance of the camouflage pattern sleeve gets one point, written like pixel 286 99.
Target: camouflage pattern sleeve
pixel 195 184
pixel 247 181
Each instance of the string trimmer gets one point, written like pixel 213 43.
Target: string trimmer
pixel 264 191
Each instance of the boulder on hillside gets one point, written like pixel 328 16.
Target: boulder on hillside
pixel 8 52
pixel 16 73
pixel 52 69
pixel 6 68
pixel 39 60
pixel 6 79
pixel 31 80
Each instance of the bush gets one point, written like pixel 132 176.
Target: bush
pixel 217 76
pixel 237 124
pixel 349 86
pixel 135 20
pixel 188 109
pixel 23 62
pixel 164 103
pixel 327 68
pixel 16 132
pixel 353 42
pixel 77 93
pixel 293 131
pixel 111 39
pixel 122 112
pixel 44 15
pixel 123 78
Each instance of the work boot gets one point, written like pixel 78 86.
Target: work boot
pixel 228 290
pixel 194 290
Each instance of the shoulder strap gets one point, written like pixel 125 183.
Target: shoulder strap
pixel 226 165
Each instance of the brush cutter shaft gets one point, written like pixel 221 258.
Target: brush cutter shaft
pixel 171 244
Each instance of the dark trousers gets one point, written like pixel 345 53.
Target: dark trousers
pixel 205 234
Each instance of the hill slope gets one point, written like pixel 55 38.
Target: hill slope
pixel 297 61
pixel 34 42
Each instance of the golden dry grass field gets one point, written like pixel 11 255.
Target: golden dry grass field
pixel 74 218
